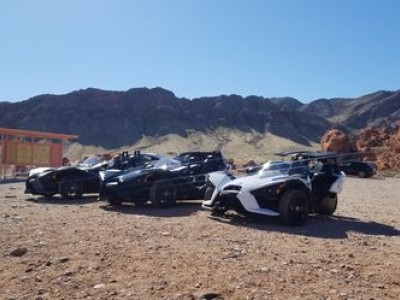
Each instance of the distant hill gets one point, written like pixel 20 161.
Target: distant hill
pixel 112 119
pixel 376 109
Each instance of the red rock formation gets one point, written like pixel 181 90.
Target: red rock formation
pixel 378 145
pixel 335 140
pixel 388 158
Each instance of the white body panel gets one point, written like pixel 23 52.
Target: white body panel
pixel 337 186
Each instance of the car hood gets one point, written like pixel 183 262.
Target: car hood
pixel 39 170
pixel 256 181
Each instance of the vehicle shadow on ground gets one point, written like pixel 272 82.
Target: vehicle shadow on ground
pixel 334 227
pixel 181 209
pixel 61 201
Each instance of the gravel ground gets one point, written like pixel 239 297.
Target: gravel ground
pixel 83 249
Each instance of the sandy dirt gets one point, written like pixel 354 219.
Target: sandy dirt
pixel 84 249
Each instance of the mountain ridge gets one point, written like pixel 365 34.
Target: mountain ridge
pixel 112 119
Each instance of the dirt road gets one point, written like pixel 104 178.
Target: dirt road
pixel 57 249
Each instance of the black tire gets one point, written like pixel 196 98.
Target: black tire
pixel 294 207
pixel 113 201
pixel 70 188
pixel 328 205
pixel 362 174
pixel 163 194
pixel 218 210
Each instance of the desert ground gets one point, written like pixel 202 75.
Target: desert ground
pixel 84 249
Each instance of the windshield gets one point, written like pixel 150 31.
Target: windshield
pixel 90 161
pixel 287 168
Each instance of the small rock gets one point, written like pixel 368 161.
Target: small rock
pixel 209 296
pixel 20 251
pixel 264 269
pixel 396 281
pixel 41 291
pixel 68 273
pixel 349 268
pixel 63 260
pixel 99 286
pixel 351 255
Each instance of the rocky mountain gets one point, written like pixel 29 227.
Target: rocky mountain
pixel 113 119
pixel 381 108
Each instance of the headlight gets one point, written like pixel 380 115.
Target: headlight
pixel 164 167
pixel 112 183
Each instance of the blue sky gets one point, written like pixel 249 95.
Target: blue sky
pixel 307 49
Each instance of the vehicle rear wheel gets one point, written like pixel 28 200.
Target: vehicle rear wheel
pixel 70 188
pixel 163 194
pixel 328 205
pixel 361 174
pixel 293 207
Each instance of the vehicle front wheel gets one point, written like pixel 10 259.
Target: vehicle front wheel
pixel 293 207
pixel 113 201
pixel 70 188
pixel 362 174
pixel 328 205
pixel 218 210
pixel 163 194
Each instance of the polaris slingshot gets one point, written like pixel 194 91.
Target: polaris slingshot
pixel 290 190
pixel 164 184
